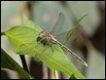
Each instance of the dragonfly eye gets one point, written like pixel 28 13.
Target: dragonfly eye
pixel 41 40
pixel 38 39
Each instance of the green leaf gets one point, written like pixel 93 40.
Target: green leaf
pixel 8 62
pixel 57 60
pixel 19 36
pixel 23 40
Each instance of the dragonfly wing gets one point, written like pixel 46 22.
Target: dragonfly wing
pixel 61 23
pixel 61 37
pixel 78 58
pixel 74 54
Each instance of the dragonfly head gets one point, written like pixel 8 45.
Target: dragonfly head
pixel 46 38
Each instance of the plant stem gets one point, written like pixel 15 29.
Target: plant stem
pixel 24 62
pixel 45 72
pixel 54 74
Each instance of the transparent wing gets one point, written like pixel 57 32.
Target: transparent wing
pixel 62 23
pixel 75 55
pixel 61 37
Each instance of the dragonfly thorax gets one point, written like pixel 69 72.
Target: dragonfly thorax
pixel 46 38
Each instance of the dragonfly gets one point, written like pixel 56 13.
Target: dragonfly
pixel 47 39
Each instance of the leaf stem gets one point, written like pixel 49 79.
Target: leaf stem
pixel 24 62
